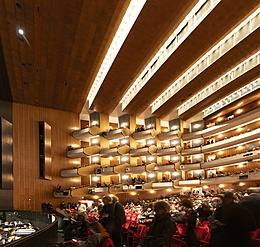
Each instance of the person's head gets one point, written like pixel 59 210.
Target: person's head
pixel 79 202
pixel 81 218
pixel 161 208
pixel 205 206
pixel 107 200
pixel 187 203
pixel 96 227
pixel 228 198
pixel 115 199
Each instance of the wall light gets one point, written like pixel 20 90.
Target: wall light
pixel 124 141
pixel 169 190
pixel 166 130
pixel 219 119
pixel 123 125
pixel 174 127
pixel 221 185
pixel 95 197
pixel 175 158
pixel 241 184
pixel 196 126
pixel 220 135
pixel 124 159
pixel 175 174
pixel 152 191
pixel 239 129
pixel 151 175
pixel 220 152
pixel 240 165
pixel 110 158
pixel 151 142
pixel 240 104
pixel 95 141
pixel 94 123
pixel 125 177
pixel 151 158
pixel 239 111
pixel 144 173
pixel 133 193
pixel 239 147
pixel 111 195
pixel 95 179
pixel 221 168
pixel 95 159
pixel 205 187
pixel 167 173
pixel 20 31
pixel 149 126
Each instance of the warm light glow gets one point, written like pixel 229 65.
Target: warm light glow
pixel 151 175
pixel 241 184
pixel 110 158
pixel 197 156
pixel 20 31
pixel 133 193
pixel 167 157
pixel 152 191
pixel 239 129
pixel 95 141
pixel 167 173
pixel 174 127
pixel 219 119
pixel 239 111
pixel 124 159
pixel 219 114
pixel 149 126
pixel 123 125
pixel 220 135
pixel 240 104
pixel 166 130
pixel 205 187
pixel 220 152
pixel 221 185
pixel 239 147
pixel 95 197
pixel 124 141
pixel 94 123
pixel 125 177
pixel 111 195
pixel 95 159
pixel 144 173
pixel 175 158
pixel 75 145
pixel 76 162
pixel 169 190
pixel 186 188
pixel 240 165
pixel 110 127
pixel 151 142
pixel 175 174
pixel 151 158
pixel 196 126
pixel 175 142
pixel 95 178
pixel 221 168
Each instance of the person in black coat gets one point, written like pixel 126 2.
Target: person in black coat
pixel 204 212
pixel 119 220
pixel 107 214
pixel 162 228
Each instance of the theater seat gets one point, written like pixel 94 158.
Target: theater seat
pixel 175 242
pixel 108 243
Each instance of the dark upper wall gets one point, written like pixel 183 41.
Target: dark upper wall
pixel 6 110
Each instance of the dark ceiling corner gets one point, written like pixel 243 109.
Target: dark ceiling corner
pixel 5 90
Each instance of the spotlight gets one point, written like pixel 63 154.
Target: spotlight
pixel 20 31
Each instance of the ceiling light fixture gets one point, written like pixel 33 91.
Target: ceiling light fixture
pixel 124 28
pixel 20 31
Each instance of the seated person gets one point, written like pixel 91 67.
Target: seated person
pixel 161 229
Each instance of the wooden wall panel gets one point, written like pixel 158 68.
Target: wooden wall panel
pixel 30 191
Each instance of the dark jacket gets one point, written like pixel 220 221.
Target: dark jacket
pixel 119 214
pixel 160 232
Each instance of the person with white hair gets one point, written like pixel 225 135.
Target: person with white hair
pixel 162 228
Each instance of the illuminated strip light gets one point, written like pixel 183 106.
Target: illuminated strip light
pixel 251 87
pixel 190 22
pixel 199 66
pixel 124 28
pixel 224 80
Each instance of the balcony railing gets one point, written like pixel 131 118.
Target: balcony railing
pixel 143 151
pixel 86 133
pixel 112 152
pixel 145 134
pixel 166 151
pixel 189 167
pixel 116 134
pixel 162 185
pixel 70 173
pixel 191 151
pixel 164 168
pixel 169 135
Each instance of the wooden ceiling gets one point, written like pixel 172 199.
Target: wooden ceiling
pixel 54 64
pixel 63 45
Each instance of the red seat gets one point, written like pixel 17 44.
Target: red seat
pixel 175 242
pixel 182 230
pixel 108 243
pixel 137 238
pixel 205 242
pixel 256 238
pixel 132 233
pixel 201 232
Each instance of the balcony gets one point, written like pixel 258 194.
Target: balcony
pixel 231 160
pixel 150 167
pixel 83 152
pixel 121 168
pixel 145 134
pixel 83 191
pixel 137 187
pixel 192 136
pixel 164 168
pixel 106 153
pixel 64 193
pixel 242 120
pixel 189 167
pixel 166 151
pixel 86 133
pixel 163 185
pixel 233 141
pixel 117 134
pixel 169 135
pixel 88 170
pixel 116 189
pixel 135 169
pixel 189 182
pixel 191 151
pixel 70 173
pixel 104 171
pixel 143 151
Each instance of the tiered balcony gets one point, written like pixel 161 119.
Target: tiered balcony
pixel 83 152
pixel 232 141
pixel 112 152
pixel 145 134
pixel 191 151
pixel 231 160
pixel 166 151
pixel 106 171
pixel 163 185
pixel 192 136
pixel 83 191
pixel 194 182
pixel 86 133
pixel 88 170
pixel 169 135
pixel 164 168
pixel 70 173
pixel 64 193
pixel 190 167
pixel 117 134
pixel 143 151
pixel 137 187
pixel 135 169
pixel 121 168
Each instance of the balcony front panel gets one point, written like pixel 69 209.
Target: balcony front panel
pixel 164 168
pixel 137 187
pixel 116 189
pixel 242 120
pixel 166 151
pixel 88 170
pixel 145 134
pixel 70 173
pixel 92 150
pixel 64 193
pixel 233 141
pixel 169 135
pixel 80 192
pixel 231 160
pixel 192 136
pixel 135 169
pixel 150 167
pixel 86 133
pixel 121 168
pixel 191 151
pixel 106 171
pixel 189 167
pixel 143 151
pixel 100 190
pixel 117 134
pixel 76 153
pixel 162 185
pixel 189 182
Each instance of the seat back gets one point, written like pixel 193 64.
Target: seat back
pixel 182 229
pixel 140 230
pixel 200 232
pixel 175 242
pixel 108 243
pixel 144 232
pixel 256 234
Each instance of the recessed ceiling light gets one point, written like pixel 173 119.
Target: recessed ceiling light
pixel 20 31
